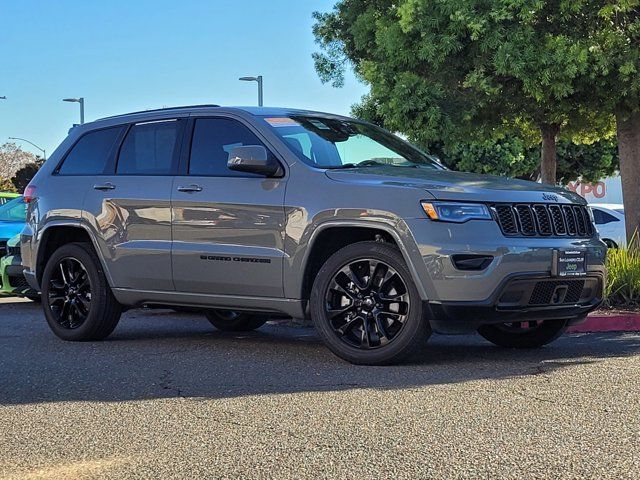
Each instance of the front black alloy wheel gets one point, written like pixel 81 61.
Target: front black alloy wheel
pixel 367 303
pixel 366 307
pixel 77 300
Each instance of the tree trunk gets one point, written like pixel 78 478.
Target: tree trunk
pixel 548 161
pixel 628 126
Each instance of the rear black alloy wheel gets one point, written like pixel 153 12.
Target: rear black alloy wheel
pixel 524 334
pixel 367 303
pixel 366 307
pixel 70 293
pixel 234 321
pixel 76 298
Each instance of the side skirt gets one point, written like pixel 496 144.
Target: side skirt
pixel 292 307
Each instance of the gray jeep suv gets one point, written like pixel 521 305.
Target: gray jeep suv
pixel 250 213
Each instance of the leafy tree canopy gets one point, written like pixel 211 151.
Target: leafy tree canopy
pixel 24 175
pixel 474 69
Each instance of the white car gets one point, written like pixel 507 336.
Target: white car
pixel 609 219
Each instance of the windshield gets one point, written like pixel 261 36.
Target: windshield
pixel 13 211
pixel 331 143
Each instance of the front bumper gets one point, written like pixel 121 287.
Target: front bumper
pixel 521 298
pixel 442 282
pixel 458 300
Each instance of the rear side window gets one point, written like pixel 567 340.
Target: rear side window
pixel 91 154
pixel 150 149
pixel 213 139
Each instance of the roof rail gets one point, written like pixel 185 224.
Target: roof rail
pixel 164 109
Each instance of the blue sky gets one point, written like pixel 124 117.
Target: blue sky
pixel 141 54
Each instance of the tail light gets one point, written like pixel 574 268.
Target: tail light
pixel 29 193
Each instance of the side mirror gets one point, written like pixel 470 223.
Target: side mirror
pixel 252 159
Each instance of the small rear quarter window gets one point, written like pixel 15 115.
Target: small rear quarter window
pixel 91 154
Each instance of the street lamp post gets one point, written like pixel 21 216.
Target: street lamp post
pixel 81 102
pixel 255 79
pixel 44 152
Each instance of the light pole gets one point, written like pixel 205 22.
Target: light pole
pixel 81 102
pixel 255 79
pixel 44 152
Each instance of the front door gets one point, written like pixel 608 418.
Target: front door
pixel 228 227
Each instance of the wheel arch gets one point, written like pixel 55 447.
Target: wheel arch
pixel 54 235
pixel 330 237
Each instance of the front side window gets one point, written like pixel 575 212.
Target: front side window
pixel 324 142
pixel 150 149
pixel 91 154
pixel 13 211
pixel 212 141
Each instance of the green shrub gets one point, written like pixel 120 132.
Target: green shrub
pixel 623 278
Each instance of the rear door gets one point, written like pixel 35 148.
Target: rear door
pixel 228 227
pixel 130 209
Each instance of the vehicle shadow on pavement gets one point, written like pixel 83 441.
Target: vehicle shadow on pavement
pixel 162 354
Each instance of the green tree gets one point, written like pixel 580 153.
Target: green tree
pixel 611 30
pixel 7 186
pixel 24 175
pixel 474 69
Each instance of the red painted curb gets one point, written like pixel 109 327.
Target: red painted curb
pixel 626 322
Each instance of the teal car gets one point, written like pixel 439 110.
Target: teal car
pixel 7 196
pixel 13 216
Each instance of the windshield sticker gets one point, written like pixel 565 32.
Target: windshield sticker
pixel 319 124
pixel 281 122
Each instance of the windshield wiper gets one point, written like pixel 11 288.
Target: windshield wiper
pixel 366 163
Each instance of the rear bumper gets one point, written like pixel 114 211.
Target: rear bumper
pixel 464 317
pixel 31 280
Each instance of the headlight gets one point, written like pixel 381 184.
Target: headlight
pixel 591 217
pixel 456 212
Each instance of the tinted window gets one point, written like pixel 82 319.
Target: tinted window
pixel 213 139
pixel 150 149
pixel 601 217
pixel 91 154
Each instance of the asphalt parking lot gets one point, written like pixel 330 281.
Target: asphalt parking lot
pixel 167 396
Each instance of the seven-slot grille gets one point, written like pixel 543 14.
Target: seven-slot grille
pixel 543 220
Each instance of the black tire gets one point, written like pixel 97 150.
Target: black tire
pixel 610 243
pixel 386 332
pixel 524 334
pixel 85 309
pixel 232 321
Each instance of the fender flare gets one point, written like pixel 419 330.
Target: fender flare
pixel 409 257
pixel 74 224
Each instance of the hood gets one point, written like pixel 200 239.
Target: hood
pixel 10 229
pixel 450 185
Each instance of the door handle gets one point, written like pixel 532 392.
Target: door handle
pixel 190 189
pixel 105 187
